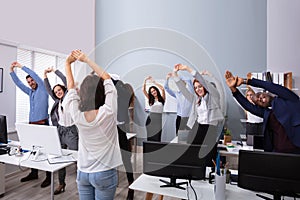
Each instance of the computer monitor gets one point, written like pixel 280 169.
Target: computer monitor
pixel 3 129
pixel 273 173
pixel 42 136
pixel 174 161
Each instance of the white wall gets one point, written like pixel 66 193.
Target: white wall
pixel 58 26
pixel 229 34
pixel 283 49
pixel 8 96
pixel 54 25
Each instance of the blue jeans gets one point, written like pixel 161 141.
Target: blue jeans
pixel 98 185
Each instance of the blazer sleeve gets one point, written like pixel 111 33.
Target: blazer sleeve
pixel 61 76
pixel 48 88
pixel 277 89
pixel 181 86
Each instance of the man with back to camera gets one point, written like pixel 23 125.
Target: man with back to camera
pixel 38 113
pixel 281 113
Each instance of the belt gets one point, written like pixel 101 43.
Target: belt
pixel 41 122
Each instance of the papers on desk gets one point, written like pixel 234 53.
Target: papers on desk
pixel 61 159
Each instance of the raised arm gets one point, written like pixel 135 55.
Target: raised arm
pixel 220 92
pixel 232 82
pixel 61 76
pixel 166 86
pixel 70 79
pixel 182 87
pixel 33 75
pixel 15 78
pixel 77 54
pixel 163 93
pixel 144 86
pixel 47 83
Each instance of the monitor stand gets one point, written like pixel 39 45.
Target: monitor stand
pixel 173 183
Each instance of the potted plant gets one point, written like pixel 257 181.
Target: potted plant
pixel 227 136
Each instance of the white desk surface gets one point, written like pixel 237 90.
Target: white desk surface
pixel 203 189
pixel 234 151
pixel 40 165
pixel 231 151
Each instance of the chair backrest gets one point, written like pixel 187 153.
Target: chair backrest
pixel 3 129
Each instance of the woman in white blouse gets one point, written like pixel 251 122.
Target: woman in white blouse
pixel 156 102
pixel 94 111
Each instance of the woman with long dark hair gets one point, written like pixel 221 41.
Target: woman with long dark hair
pixel 156 100
pixel 67 130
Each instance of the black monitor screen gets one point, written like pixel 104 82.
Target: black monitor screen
pixel 173 160
pixel 269 172
pixel 3 129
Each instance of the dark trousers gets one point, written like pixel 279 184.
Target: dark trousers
pixel 35 171
pixel 181 123
pixel 69 139
pixel 125 152
pixel 206 135
pixel 154 127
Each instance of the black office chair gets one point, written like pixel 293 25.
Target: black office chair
pixel 3 129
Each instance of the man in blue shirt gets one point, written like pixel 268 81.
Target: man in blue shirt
pixel 38 113
pixel 184 105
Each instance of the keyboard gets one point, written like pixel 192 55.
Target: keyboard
pixel 61 159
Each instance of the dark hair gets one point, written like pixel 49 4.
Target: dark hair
pixel 28 76
pixel 151 97
pixel 61 86
pixel 92 94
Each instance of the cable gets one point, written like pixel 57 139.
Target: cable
pixel 190 182
pixel 21 160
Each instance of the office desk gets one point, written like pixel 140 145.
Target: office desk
pixel 40 165
pixel 232 153
pixel 204 190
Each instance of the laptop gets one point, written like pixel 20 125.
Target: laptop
pixel 43 140
pixel 39 136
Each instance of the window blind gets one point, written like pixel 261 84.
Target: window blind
pixel 38 62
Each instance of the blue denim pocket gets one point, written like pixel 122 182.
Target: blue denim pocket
pixel 104 180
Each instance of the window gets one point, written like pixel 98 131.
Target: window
pixel 38 61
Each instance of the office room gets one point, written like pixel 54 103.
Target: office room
pixel 132 40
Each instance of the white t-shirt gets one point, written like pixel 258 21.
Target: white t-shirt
pixel 98 148
pixel 157 107
pixel 65 118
